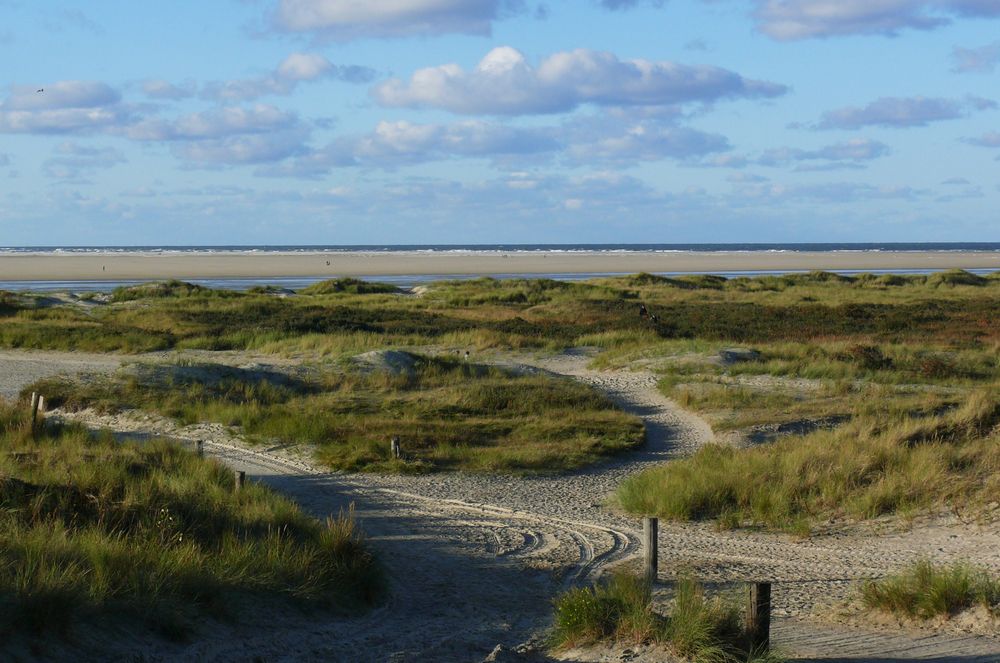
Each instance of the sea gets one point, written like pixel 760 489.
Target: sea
pixel 295 282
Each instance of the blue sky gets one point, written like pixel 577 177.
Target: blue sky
pixel 463 121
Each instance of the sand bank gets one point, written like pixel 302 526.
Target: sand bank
pixel 119 266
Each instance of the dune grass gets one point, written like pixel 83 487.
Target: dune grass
pixel 947 309
pixel 621 610
pixel 448 414
pixel 925 590
pixel 882 462
pixel 94 529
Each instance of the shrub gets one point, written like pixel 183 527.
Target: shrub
pixel 348 286
pixel 868 357
pixel 924 591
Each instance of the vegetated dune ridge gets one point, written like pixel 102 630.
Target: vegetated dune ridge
pixel 475 559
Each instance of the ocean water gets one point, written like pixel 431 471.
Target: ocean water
pixel 511 248
pixel 294 283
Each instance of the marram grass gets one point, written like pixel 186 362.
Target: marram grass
pixel 94 529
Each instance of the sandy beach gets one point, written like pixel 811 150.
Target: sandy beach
pixel 118 266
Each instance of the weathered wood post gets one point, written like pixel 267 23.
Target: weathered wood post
pixel 199 447
pixel 758 618
pixel 41 404
pixel 650 545
pixel 34 409
pixel 394 450
pixel 241 478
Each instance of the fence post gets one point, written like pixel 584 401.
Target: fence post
pixel 199 446
pixel 394 450
pixel 41 404
pixel 241 478
pixel 758 618
pixel 34 409
pixel 650 545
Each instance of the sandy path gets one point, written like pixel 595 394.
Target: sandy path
pixel 480 557
pixel 20 368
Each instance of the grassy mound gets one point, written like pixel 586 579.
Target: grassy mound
pixel 92 529
pixel 448 414
pixel 620 610
pixel 348 286
pixel 879 463
pixel 925 591
pixel 167 290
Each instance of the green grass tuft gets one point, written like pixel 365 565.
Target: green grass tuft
pixel 925 590
pixel 620 610
pixel 93 529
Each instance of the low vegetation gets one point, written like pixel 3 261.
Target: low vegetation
pixel 883 461
pixel 925 590
pixel 845 366
pixel 448 414
pixel 93 530
pixel 621 610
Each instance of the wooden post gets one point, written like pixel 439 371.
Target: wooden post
pixel 394 450
pixel 34 409
pixel 758 619
pixel 199 447
pixel 241 478
pixel 650 545
pixel 41 404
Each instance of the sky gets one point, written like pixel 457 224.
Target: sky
pixel 243 122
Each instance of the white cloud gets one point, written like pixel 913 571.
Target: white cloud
pixel 242 149
pixel 503 83
pixel 981 60
pixel 802 19
pixel 898 112
pixel 161 89
pixel 214 123
pixel 852 152
pixel 988 139
pixel 62 107
pixel 72 160
pixel 60 95
pixel 352 19
pixel 295 69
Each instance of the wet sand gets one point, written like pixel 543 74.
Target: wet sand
pixel 118 266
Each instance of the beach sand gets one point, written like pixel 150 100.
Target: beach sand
pixel 119 266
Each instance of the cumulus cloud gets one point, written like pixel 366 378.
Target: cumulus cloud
pixel 616 138
pixel 989 139
pixel 227 136
pixel 803 19
pixel 161 89
pixel 352 19
pixel 899 112
pixel 620 138
pixel 242 149
pixel 72 160
pixel 215 123
pixel 849 154
pixel 393 144
pixel 828 192
pixel 63 107
pixel 504 83
pixel 618 5
pixel 982 60
pixel 295 69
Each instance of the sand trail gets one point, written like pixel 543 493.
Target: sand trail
pixel 474 560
